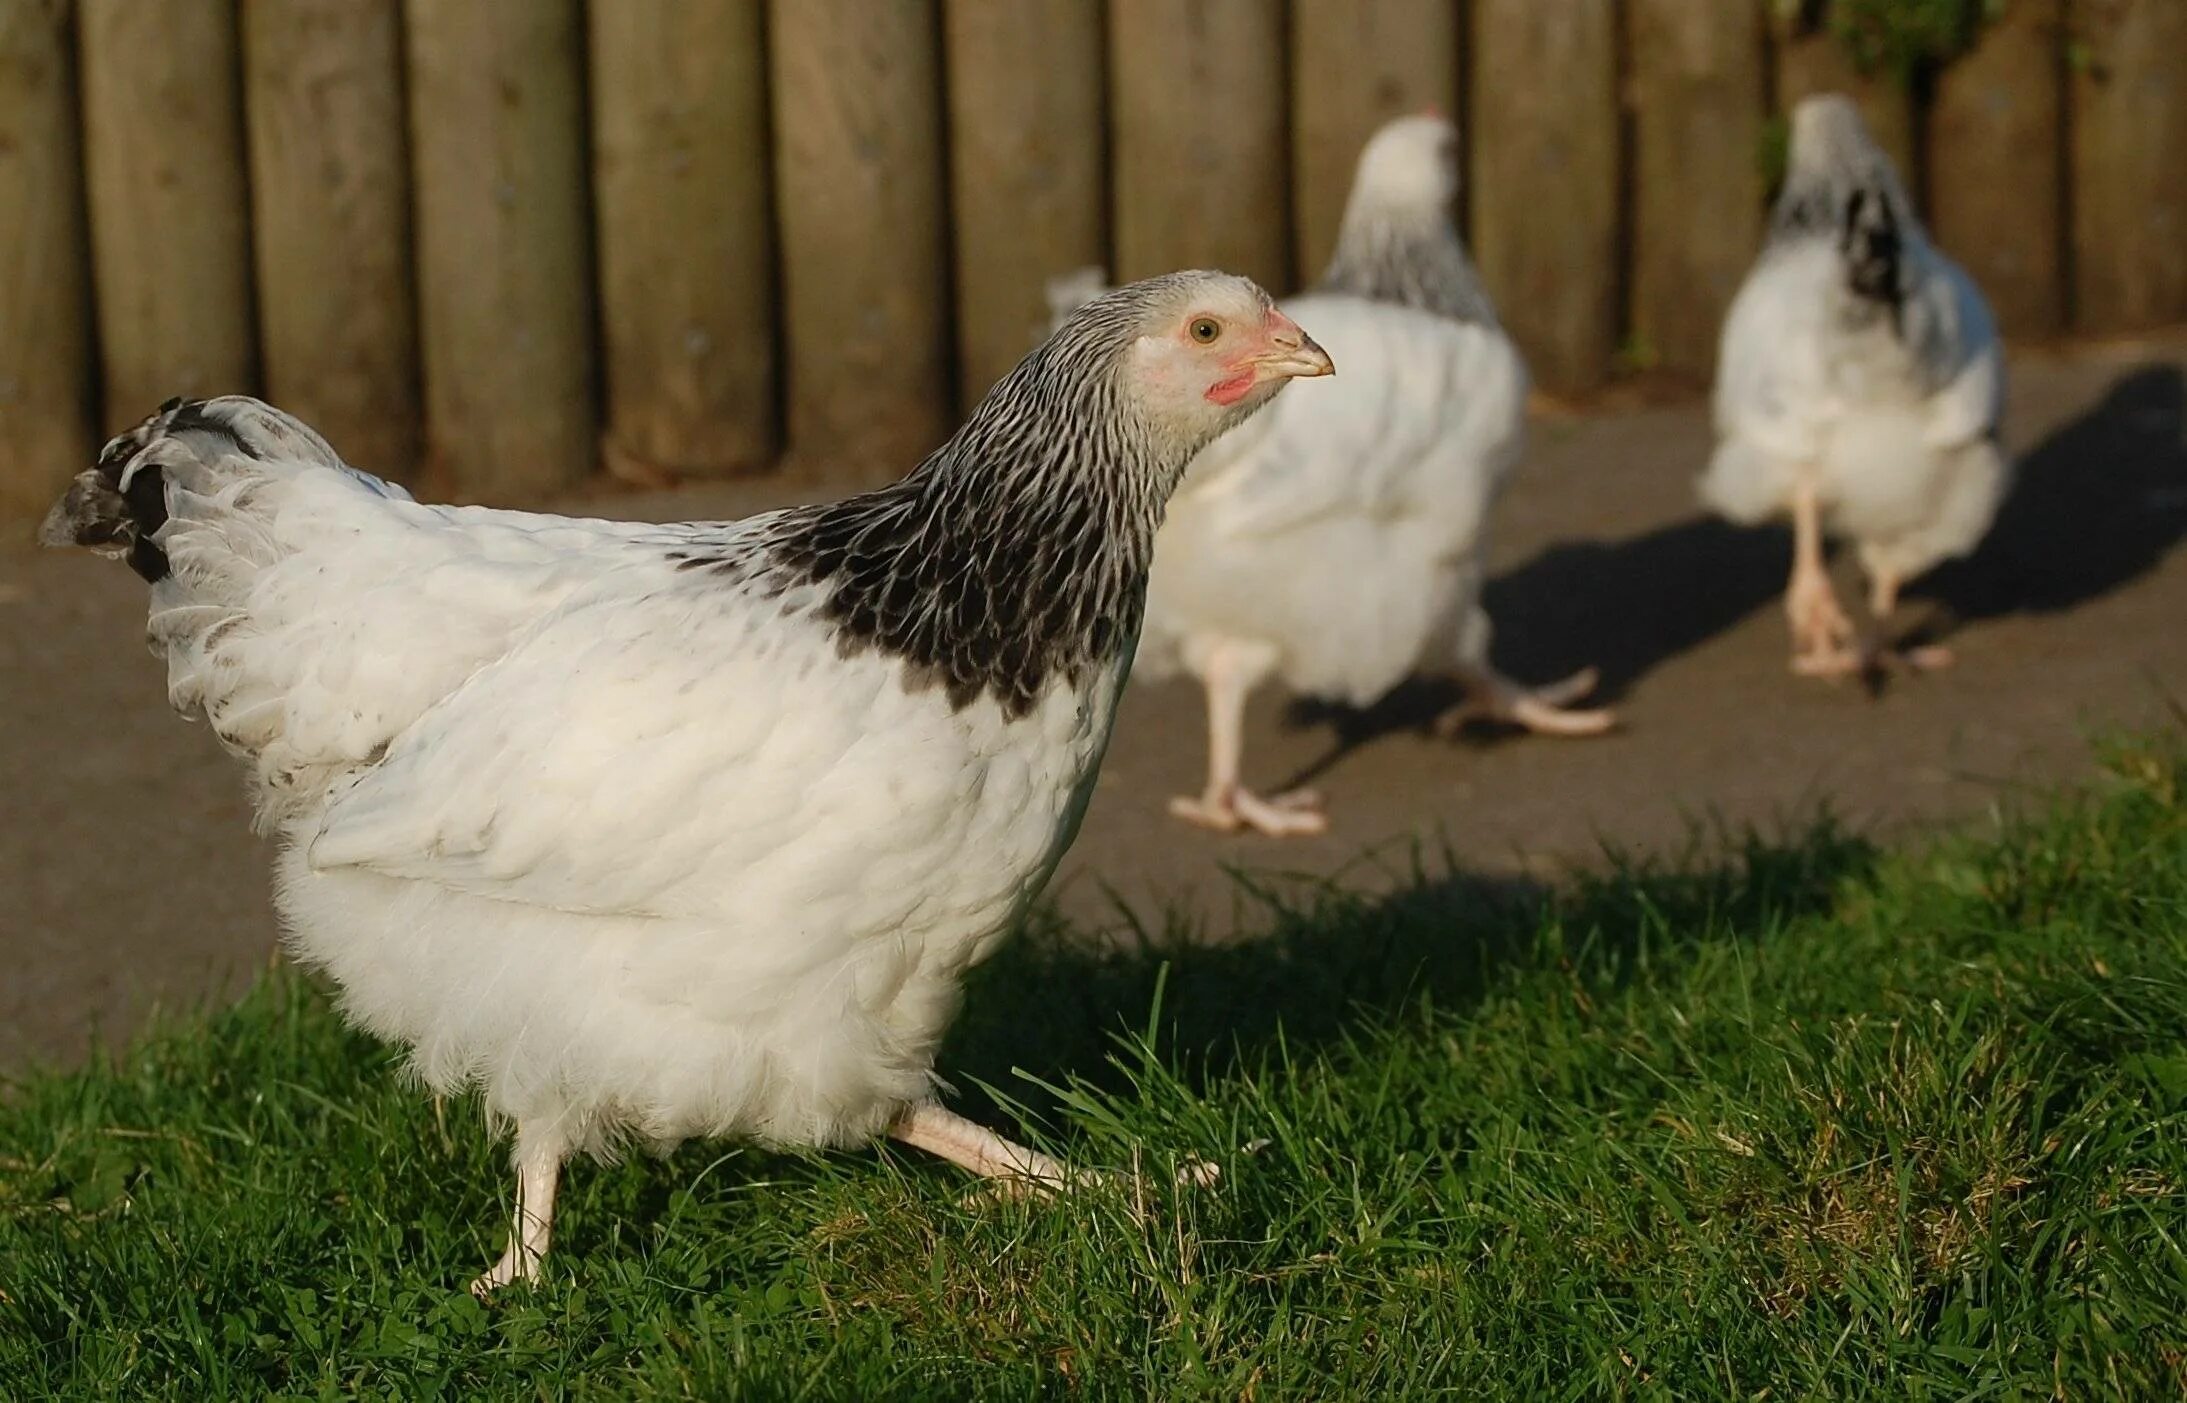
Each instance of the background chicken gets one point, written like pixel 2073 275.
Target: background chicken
pixel 1859 389
pixel 1340 540
pixel 651 832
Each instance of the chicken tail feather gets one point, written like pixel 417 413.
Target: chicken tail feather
pixel 118 505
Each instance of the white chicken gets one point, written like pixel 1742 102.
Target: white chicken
pixel 1340 540
pixel 653 832
pixel 1860 389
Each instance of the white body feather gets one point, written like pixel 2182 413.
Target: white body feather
pixel 1345 527
pixel 1895 430
pixel 632 848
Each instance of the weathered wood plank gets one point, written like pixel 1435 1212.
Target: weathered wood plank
pixel 1353 67
pixel 1200 168
pixel 1997 161
pixel 45 311
pixel 503 244
pixel 1026 174
pixel 169 203
pixel 859 166
pixel 1545 180
pixel 1697 99
pixel 330 199
pixel 2129 163
pixel 686 238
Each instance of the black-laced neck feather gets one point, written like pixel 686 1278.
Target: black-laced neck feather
pixel 1408 256
pixel 1820 189
pixel 1018 551
pixel 1840 186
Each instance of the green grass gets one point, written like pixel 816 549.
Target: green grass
pixel 1813 1121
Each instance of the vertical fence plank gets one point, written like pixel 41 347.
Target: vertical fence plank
pixel 1353 67
pixel 1996 161
pixel 858 124
pixel 1026 186
pixel 679 108
pixel 1196 106
pixel 2129 163
pixel 1545 180
pixel 163 153
pixel 1812 60
pixel 504 261
pixel 330 197
pixel 45 332
pixel 1697 93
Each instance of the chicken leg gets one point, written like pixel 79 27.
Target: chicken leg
pixel 1822 635
pixel 1231 672
pixel 1883 584
pixel 1014 1168
pixel 537 1174
pixel 972 1146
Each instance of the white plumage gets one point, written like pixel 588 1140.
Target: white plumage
pixel 1860 387
pixel 651 832
pixel 1339 541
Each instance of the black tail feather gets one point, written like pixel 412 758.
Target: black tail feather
pixel 185 435
pixel 97 513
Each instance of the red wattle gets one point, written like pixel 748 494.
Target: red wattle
pixel 1232 390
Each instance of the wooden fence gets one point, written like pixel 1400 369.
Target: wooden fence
pixel 492 243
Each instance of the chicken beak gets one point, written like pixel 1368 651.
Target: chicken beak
pixel 1291 353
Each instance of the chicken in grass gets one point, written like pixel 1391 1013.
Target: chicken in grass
pixel 1339 542
pixel 655 832
pixel 1859 391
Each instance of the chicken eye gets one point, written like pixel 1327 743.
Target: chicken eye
pixel 1205 330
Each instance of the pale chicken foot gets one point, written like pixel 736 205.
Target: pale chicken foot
pixel 1226 805
pixel 1823 640
pixel 1883 586
pixel 537 1176
pixel 972 1146
pixel 1545 711
pixel 1013 1170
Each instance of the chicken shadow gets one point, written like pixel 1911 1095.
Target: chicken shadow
pixel 1627 607
pixel 1337 961
pixel 1622 607
pixel 2098 503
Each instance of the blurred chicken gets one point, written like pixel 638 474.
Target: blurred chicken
pixel 1859 389
pixel 1340 540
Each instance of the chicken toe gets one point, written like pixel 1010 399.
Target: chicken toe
pixel 1229 808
